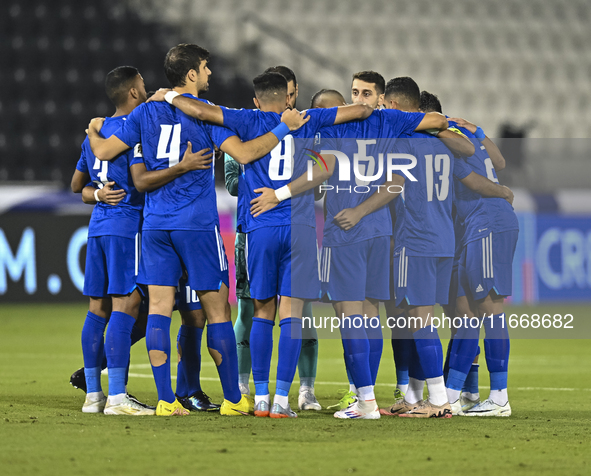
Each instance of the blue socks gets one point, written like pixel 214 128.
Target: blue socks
pixel 117 347
pixel 402 346
pixel 189 365
pixel 471 383
pixel 496 350
pixel 376 345
pixel 347 365
pixel 463 350
pixel 415 370
pixel 356 347
pixel 221 342
pixel 261 350
pixel 290 346
pixel 158 339
pixel 429 351
pixel 93 350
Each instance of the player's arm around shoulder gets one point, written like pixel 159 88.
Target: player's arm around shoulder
pixel 104 149
pixel 353 112
pixel 493 151
pixel 457 142
pixel 433 120
pixel 246 152
pixel 191 107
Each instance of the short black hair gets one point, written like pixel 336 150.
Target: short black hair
pixel 268 84
pixel 404 88
pixel 430 103
pixel 324 92
pixel 118 83
pixel 286 72
pixel 372 77
pixel 181 59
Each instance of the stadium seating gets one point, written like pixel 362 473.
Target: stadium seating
pixel 491 62
pixel 54 61
pixel 502 60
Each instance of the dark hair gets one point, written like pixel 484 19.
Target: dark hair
pixel 325 92
pixel 286 72
pixel 430 103
pixel 118 83
pixel 372 77
pixel 181 59
pixel 267 84
pixel 406 89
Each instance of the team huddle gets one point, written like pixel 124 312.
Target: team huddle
pixel 414 217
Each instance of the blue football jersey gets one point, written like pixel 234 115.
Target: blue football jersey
pixel 287 161
pixel 424 224
pixel 123 219
pixel 188 202
pixel 482 215
pixel 362 140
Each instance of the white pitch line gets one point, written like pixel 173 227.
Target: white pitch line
pixel 555 389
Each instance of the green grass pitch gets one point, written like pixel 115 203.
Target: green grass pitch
pixel 43 432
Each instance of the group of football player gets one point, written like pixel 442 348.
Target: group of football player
pixel 448 239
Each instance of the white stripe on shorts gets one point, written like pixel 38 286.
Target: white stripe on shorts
pixel 492 270
pixel 220 250
pixel 246 255
pixel 402 268
pixel 405 268
pixel 487 257
pixel 138 252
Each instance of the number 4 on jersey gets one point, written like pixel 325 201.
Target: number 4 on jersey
pixel 169 148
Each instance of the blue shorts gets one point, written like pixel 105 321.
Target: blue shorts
pixel 454 293
pixel 486 265
pixel 283 260
pixel 166 254
pixel 357 271
pixel 186 299
pixel 421 280
pixel 111 265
